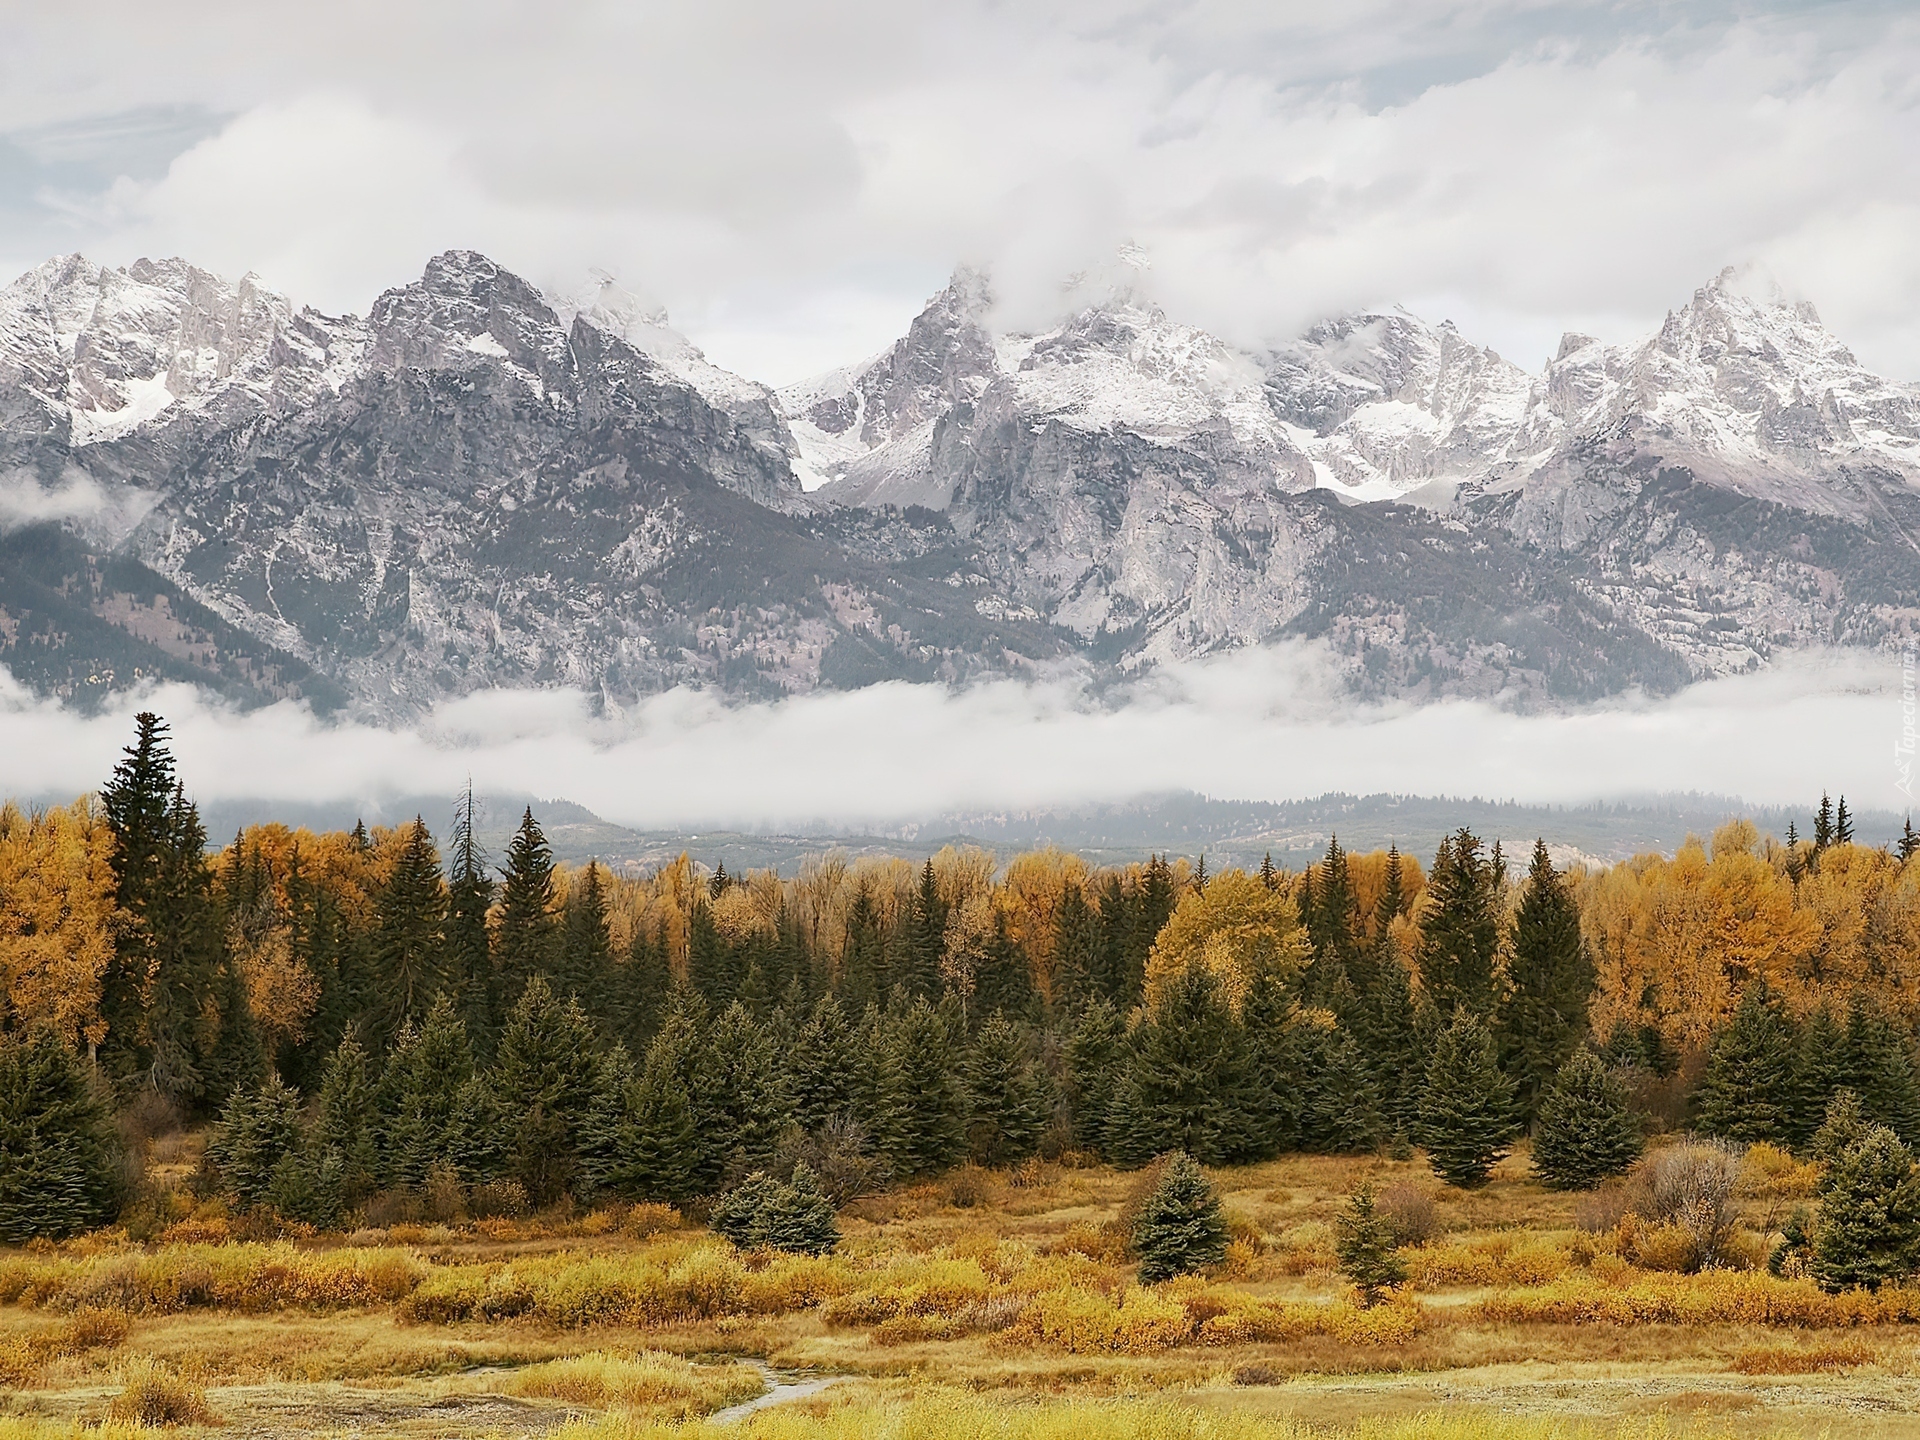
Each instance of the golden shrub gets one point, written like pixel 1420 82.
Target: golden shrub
pixel 1084 1322
pixel 156 1395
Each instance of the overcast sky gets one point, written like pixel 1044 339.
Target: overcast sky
pixel 793 179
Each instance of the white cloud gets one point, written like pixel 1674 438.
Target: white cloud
pixel 77 499
pixel 1265 725
pixel 1527 167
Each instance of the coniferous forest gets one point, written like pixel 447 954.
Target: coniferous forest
pixel 377 1014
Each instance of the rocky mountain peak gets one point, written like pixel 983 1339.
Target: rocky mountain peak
pixel 466 310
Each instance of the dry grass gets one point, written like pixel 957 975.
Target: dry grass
pixel 662 1385
pixel 1013 1285
pixel 1845 1354
pixel 951 1415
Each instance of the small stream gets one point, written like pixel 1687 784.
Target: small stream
pixel 782 1386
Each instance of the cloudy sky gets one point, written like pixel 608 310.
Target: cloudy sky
pixel 792 180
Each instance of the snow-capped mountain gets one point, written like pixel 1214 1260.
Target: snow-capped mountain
pixel 477 484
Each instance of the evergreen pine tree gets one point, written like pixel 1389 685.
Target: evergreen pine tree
pixel 257 1130
pixel 349 1117
pixel 926 936
pixel 1334 1108
pixel 469 956
pixel 59 1154
pixel 1868 1231
pixel 1460 929
pixel 798 1218
pixel 1879 1066
pixel 1077 944
pixel 237 1059
pixel 739 1216
pixel 410 919
pixel 711 968
pixel 1179 1229
pixel 1270 1118
pixel 1909 843
pixel 1543 1011
pixel 545 1080
pixel 1006 1097
pixel 527 937
pixel 659 1148
pixel 1749 1090
pixel 1186 1085
pixel 866 962
pixel 1003 980
pixel 1332 920
pixel 644 983
pixel 1821 1069
pixel 1586 1130
pixel 185 934
pixel 420 1097
pixel 136 802
pixel 741 1074
pixel 1096 1057
pixel 1823 824
pixel 823 1067
pixel 1364 1243
pixel 586 953
pixel 1466 1109
pixel 922 1042
pixel 1842 824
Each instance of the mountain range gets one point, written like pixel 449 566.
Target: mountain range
pixel 479 485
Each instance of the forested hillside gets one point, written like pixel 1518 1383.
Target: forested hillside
pixel 374 1013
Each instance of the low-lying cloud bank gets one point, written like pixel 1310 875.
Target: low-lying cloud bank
pixel 1257 725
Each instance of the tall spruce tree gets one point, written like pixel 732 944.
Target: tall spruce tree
pixel 410 946
pixel 1543 1010
pixel 586 950
pixel 1096 1058
pixel 422 1096
pixel 926 936
pixel 1868 1231
pixel 527 934
pixel 349 1118
pixel 136 802
pixel 1460 927
pixel 742 1074
pixel 1007 1100
pixel 1879 1066
pixel 60 1167
pixel 1078 942
pixel 1749 1091
pixel 1187 1084
pixel 1467 1107
pixel 545 1080
pixel 1586 1131
pixel 469 956
pixel 1331 914
pixel 925 1047
pixel 257 1130
pixel 185 934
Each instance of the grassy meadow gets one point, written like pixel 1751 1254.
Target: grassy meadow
pixel 985 1303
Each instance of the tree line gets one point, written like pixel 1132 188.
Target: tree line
pixel 362 1013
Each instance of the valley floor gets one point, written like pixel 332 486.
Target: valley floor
pixel 985 1303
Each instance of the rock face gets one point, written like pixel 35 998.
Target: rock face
pixel 1734 483
pixel 478 485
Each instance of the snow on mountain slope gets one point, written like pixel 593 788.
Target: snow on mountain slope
pixel 1386 404
pixel 1748 391
pixel 104 351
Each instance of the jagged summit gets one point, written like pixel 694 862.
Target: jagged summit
pixel 479 484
